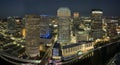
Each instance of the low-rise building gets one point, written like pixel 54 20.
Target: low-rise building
pixel 73 50
pixel 82 36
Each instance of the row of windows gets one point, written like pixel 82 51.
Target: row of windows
pixel 72 50
pixel 88 45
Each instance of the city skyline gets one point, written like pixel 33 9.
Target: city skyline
pixel 48 7
pixel 60 40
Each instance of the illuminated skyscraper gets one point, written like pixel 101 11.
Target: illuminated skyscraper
pixel 76 15
pixel 64 29
pixel 44 27
pixel 45 32
pixel 63 12
pixel 96 25
pixel 32 35
pixel 76 22
pixel 111 27
pixel 96 14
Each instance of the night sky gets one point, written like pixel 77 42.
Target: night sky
pixel 49 7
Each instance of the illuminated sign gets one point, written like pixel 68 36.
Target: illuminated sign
pixel 96 12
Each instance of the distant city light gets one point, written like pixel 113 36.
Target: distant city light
pixel 18 44
pixel 55 25
pixel 22 46
pixel 95 12
pixel 24 32
pixel 14 43
pixel 58 40
pixel 79 53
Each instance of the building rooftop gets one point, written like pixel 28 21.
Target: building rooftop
pixel 76 44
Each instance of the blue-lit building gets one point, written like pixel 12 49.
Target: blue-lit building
pixel 47 35
pixel 45 30
pixel 56 52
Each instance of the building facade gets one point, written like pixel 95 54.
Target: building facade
pixel 11 26
pixel 73 50
pixel 96 25
pixel 111 27
pixel 15 26
pixel 32 35
pixel 45 32
pixel 76 22
pixel 63 12
pixel 76 15
pixel 82 36
pixel 64 29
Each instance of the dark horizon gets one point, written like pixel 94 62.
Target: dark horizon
pixel 49 7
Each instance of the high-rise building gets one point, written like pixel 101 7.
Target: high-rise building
pixel 32 35
pixel 15 26
pixel 64 29
pixel 11 26
pixel 111 27
pixel 63 12
pixel 76 15
pixel 96 14
pixel 44 27
pixel 45 32
pixel 76 22
pixel 96 25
